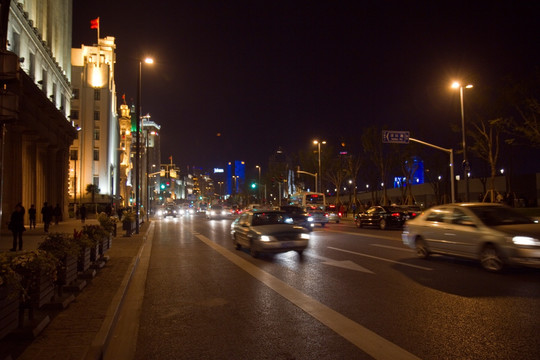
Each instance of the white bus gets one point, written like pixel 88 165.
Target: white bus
pixel 313 203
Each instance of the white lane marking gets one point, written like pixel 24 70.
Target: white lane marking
pixel 346 264
pixel 374 345
pixel 379 258
pixel 393 248
pixel 364 235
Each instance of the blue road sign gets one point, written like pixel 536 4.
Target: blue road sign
pixel 395 137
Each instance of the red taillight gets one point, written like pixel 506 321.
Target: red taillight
pixel 396 214
pixel 326 214
pixel 413 215
pixel 339 214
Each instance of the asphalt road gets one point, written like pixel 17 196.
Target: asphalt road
pixel 355 294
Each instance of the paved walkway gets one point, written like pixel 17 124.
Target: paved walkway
pixel 81 331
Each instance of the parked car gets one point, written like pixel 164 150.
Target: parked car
pixel 267 231
pixel 217 212
pixel 383 217
pixel 494 234
pixel 297 216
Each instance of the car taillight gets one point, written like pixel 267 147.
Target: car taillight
pixel 396 214
pixel 326 214
pixel 413 215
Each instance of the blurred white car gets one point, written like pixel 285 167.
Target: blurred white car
pixel 217 212
pixel 494 234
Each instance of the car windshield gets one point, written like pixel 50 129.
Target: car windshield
pixel 499 215
pixel 268 218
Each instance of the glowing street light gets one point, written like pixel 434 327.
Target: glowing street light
pixel 318 143
pixel 138 143
pixel 466 165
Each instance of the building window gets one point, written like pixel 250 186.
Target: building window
pixel 32 68
pixel 96 180
pixel 96 115
pixel 73 154
pixel 44 81
pixel 74 115
pixel 96 134
pixel 97 94
pixel 96 154
pixel 75 94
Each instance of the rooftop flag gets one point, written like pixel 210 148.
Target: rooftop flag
pixel 94 24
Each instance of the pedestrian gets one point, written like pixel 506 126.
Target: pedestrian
pixel 57 212
pixel 16 225
pixel 32 216
pixel 46 212
pixel 82 212
pixel 108 210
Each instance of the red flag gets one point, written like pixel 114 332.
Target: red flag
pixel 94 24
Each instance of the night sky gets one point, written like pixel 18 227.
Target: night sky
pixel 265 74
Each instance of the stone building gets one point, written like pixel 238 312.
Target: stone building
pixel 35 74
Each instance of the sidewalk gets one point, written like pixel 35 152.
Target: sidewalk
pixel 82 330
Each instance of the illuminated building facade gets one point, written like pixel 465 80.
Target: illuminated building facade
pixel 35 75
pixel 94 154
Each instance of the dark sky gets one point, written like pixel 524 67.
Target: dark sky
pixel 265 74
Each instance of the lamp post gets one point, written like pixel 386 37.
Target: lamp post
pixel 318 143
pixel 259 184
pixel 138 143
pixel 466 165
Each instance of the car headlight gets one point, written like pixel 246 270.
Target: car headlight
pixel 304 236
pixel 289 221
pixel 160 212
pixel 525 241
pixel 310 218
pixel 265 238
pixel 174 211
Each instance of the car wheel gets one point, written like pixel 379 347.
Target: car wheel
pixel 323 224
pixel 382 224
pixel 359 224
pixel 252 250
pixel 490 259
pixel 422 250
pixel 237 245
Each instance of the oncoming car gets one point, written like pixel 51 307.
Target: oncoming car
pixel 217 212
pixel 267 232
pixel 494 234
pixel 169 210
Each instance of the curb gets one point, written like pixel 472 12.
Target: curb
pixel 102 338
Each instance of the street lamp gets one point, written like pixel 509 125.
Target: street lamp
pixel 466 165
pixel 318 143
pixel 258 167
pixel 138 143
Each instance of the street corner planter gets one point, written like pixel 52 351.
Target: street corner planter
pixel 67 272
pixel 129 227
pixel 105 244
pixel 94 253
pixel 9 311
pixel 84 261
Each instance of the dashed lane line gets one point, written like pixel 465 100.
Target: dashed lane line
pixel 374 345
pixel 380 258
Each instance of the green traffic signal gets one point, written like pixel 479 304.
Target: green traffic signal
pixel 253 185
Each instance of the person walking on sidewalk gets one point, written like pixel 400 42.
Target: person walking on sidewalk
pixel 32 216
pixel 83 213
pixel 16 225
pixel 46 212
pixel 57 214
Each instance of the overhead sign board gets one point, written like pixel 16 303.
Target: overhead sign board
pixel 395 137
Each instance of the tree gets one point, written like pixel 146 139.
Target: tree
pixel 92 190
pixel 354 164
pixel 487 144
pixel 336 175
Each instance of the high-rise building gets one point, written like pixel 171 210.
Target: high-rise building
pixel 35 75
pixel 94 111
pixel 151 161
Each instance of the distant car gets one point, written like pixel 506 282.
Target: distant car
pixel 267 231
pixel 383 217
pixel 494 234
pixel 297 216
pixel 318 214
pixel 333 214
pixel 217 212
pixel 169 210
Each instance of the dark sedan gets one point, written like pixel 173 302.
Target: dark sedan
pixel 267 231
pixel 383 217
pixel 297 216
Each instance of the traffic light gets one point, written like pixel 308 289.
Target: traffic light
pixel 253 185
pixel 162 186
